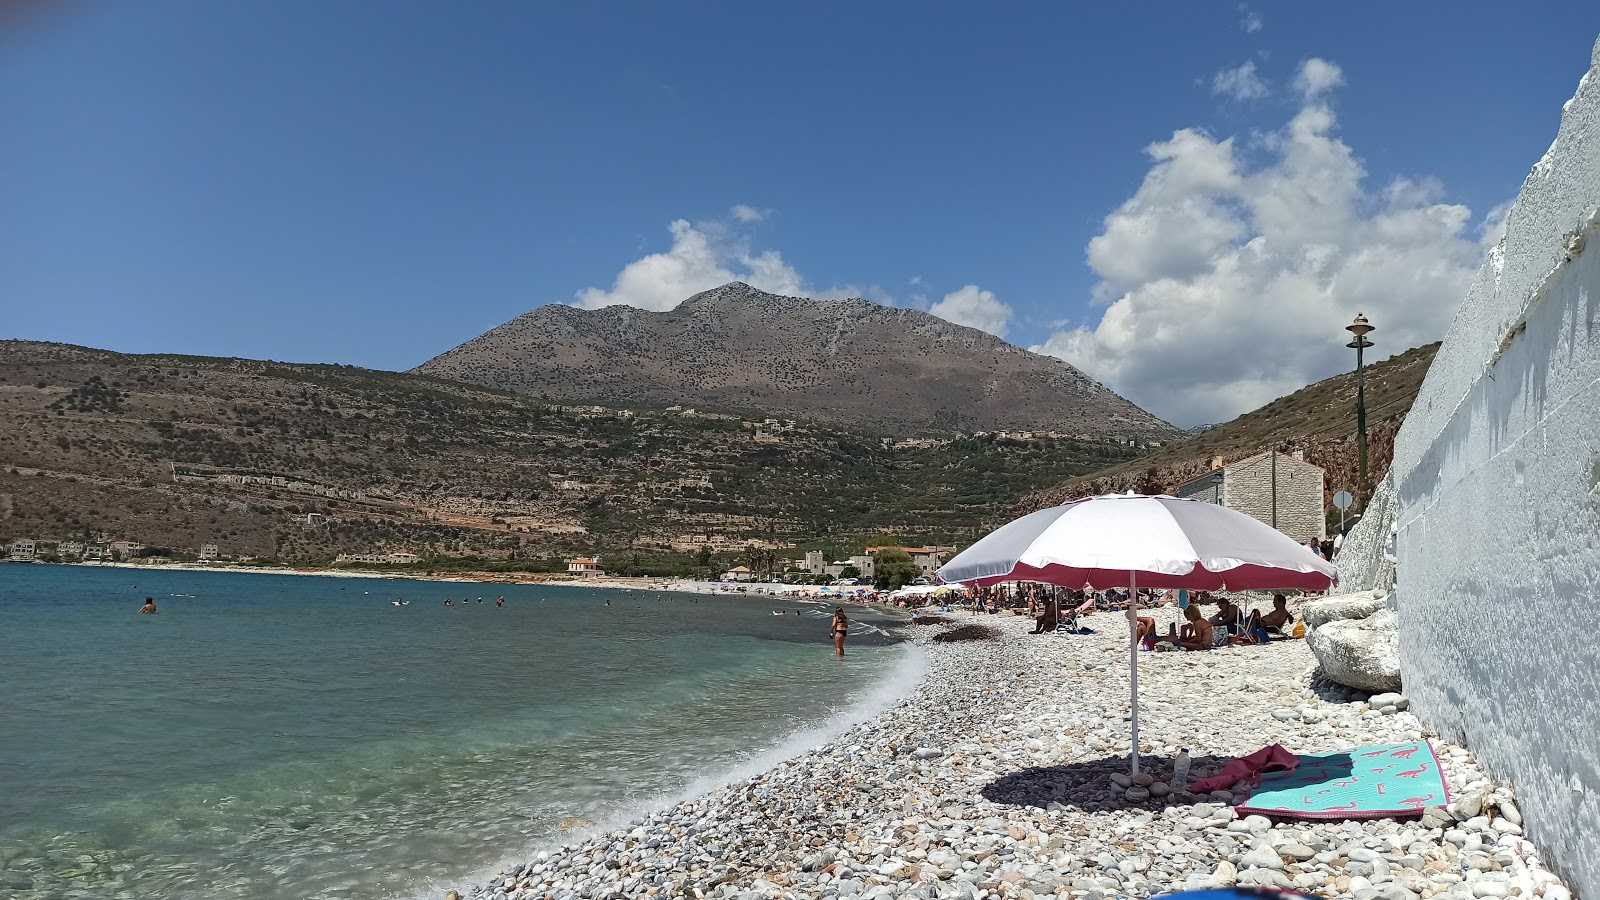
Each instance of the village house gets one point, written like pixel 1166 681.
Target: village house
pixel 737 573
pixel 23 550
pixel 928 559
pixel 70 550
pixel 584 567
pixel 1280 489
pixel 126 549
pixel 208 551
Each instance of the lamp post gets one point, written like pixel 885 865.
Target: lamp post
pixel 1361 328
pixel 1216 488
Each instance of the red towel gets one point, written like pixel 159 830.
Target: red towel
pixel 1248 768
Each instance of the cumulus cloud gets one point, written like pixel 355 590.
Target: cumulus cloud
pixel 1228 284
pixel 1316 77
pixel 709 254
pixel 747 214
pixel 1241 83
pixel 1249 19
pixel 976 308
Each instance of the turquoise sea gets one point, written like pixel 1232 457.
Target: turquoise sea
pixel 282 736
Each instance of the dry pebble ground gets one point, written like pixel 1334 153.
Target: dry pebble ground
pixel 1005 776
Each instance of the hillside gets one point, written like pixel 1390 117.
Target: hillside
pixel 849 362
pixel 178 451
pixel 1319 419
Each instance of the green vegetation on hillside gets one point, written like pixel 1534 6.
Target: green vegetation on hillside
pixel 302 463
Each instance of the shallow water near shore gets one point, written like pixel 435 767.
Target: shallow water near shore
pixel 272 736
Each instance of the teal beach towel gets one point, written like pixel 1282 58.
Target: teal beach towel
pixel 1374 782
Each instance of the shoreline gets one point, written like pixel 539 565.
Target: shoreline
pixel 766 590
pixel 997 776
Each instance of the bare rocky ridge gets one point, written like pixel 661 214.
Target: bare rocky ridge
pixel 1318 419
pixel 848 362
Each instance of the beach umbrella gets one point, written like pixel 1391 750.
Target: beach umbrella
pixel 1133 541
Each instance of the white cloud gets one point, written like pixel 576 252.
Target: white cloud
pixel 747 214
pixel 1316 77
pixel 1240 83
pixel 705 255
pixel 976 308
pixel 1230 284
pixel 1250 20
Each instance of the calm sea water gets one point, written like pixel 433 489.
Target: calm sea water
pixel 271 736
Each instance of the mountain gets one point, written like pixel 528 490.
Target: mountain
pixel 181 451
pixel 1319 419
pixel 847 362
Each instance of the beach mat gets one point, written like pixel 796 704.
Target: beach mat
pixel 1372 782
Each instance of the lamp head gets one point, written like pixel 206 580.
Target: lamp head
pixel 1360 327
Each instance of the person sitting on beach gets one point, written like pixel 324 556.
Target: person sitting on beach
pixel 1046 620
pixel 149 606
pixel 1197 633
pixel 1228 616
pixel 1279 617
pixel 1144 626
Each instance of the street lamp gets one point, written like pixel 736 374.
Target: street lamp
pixel 1360 328
pixel 1216 488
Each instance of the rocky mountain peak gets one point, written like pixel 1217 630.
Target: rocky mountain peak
pixel 740 349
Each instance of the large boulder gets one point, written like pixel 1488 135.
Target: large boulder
pixel 1358 605
pixel 1361 653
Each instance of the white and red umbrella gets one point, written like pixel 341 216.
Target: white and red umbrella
pixel 1134 541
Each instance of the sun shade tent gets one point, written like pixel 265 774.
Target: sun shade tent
pixel 1136 541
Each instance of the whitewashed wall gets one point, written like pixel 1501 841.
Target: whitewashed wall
pixel 1497 478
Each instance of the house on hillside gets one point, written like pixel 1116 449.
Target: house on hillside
pixel 126 549
pixel 23 550
pixel 1280 489
pixel 928 559
pixel 583 567
pixel 209 551
pixel 70 550
pixel 737 573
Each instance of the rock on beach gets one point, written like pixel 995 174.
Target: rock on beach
pixel 1005 775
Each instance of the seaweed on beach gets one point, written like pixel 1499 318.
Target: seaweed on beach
pixel 969 633
pixel 930 620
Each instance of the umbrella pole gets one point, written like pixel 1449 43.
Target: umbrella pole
pixel 1133 662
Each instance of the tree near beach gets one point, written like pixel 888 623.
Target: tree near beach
pixel 892 568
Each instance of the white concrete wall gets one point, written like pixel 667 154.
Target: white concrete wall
pixel 1497 478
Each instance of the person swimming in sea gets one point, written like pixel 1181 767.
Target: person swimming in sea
pixel 838 629
pixel 149 606
pixel 500 601
pixel 449 602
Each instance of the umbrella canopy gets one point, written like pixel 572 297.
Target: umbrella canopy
pixel 1134 541
pixel 1170 543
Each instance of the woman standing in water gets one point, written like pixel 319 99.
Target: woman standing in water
pixel 839 628
pixel 149 606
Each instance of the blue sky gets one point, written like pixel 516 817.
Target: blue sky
pixel 374 182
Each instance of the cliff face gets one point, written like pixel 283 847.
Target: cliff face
pixel 846 362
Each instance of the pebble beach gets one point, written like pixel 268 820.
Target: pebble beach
pixel 1005 774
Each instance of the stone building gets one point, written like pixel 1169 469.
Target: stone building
pixel 1280 489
